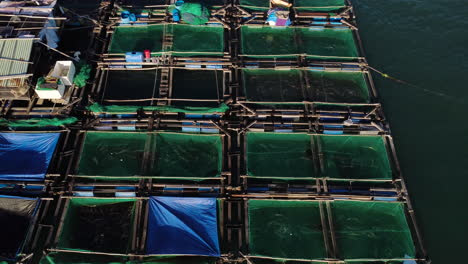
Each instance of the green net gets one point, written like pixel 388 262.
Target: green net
pixel 188 40
pixel 271 85
pixel 285 229
pixel 286 156
pixel 112 154
pixel 99 225
pixel 122 109
pixel 79 258
pixel 124 155
pixel 83 74
pixel 194 13
pixel 354 157
pixel 175 260
pixel 291 156
pixel 192 90
pixel 319 43
pixel 363 230
pixel 372 230
pixel 183 155
pixel 306 5
pixel 38 122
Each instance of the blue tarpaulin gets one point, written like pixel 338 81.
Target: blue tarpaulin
pixel 182 226
pixel 26 156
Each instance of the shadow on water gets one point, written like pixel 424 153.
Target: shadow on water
pixel 424 43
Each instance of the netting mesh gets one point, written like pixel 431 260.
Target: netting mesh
pixel 291 156
pixel 112 154
pixel 372 230
pixel 355 157
pixel 188 39
pixel 102 225
pixel 279 155
pixel 285 229
pixel 77 258
pixel 363 230
pixel 181 155
pixel 320 43
pixel 151 154
pixel 295 86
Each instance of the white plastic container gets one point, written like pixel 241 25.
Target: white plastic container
pixel 65 70
pixel 51 93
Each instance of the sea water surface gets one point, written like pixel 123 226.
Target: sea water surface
pixel 425 43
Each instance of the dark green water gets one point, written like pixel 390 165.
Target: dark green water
pixel 426 43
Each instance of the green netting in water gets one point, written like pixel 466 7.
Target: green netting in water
pixel 285 229
pixel 280 155
pixel 319 43
pixel 376 230
pixel 98 225
pixel 356 157
pixel 363 230
pixel 291 156
pixel 109 155
pixel 79 258
pixel 38 122
pixel 306 5
pixel 182 155
pixel 189 40
pixel 117 109
pixel 112 154
pixel 271 85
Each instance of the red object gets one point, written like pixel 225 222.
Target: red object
pixel 147 54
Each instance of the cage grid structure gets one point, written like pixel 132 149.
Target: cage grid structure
pixel 232 142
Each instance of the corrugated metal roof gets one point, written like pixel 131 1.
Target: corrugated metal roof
pixel 14 55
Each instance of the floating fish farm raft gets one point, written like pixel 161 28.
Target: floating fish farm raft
pixel 130 136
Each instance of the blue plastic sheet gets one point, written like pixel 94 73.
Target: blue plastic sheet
pixel 26 156
pixel 182 226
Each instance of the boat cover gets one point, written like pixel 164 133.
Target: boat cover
pixel 26 156
pixel 182 226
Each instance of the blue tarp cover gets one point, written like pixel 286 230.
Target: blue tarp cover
pixel 26 156
pixel 182 226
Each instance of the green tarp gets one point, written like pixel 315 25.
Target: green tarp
pixel 363 230
pixel 271 85
pixel 306 5
pixel 314 42
pixel 302 156
pixel 110 155
pixel 188 40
